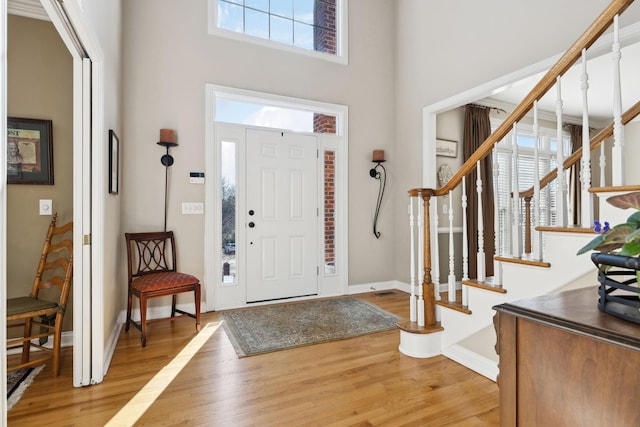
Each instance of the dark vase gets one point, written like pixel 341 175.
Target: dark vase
pixel 618 290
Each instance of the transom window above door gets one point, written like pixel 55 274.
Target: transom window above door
pixel 313 27
pixel 274 116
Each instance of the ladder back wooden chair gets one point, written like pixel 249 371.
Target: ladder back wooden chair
pixel 53 278
pixel 152 272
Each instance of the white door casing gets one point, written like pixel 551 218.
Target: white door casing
pixel 281 215
pixel 220 295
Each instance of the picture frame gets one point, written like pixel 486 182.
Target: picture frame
pixel 114 162
pixel 446 148
pixel 29 151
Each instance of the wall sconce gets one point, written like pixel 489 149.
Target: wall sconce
pixel 381 175
pixel 168 139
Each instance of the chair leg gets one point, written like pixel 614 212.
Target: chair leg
pixel 174 299
pixel 56 346
pixel 196 297
pixel 26 346
pixel 143 319
pixel 129 302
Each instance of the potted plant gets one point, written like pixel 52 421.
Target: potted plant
pixel 616 254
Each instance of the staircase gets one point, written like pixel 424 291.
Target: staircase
pixel 455 319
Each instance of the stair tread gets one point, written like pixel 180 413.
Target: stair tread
pixel 613 189
pixel 457 306
pixel 408 326
pixel 487 284
pixel 567 229
pixel 523 260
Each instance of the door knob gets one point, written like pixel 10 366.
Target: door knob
pixel 251 212
pixel 251 224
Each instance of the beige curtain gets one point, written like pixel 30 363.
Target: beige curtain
pixel 574 175
pixel 477 129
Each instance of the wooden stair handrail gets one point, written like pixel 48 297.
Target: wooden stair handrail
pixel 590 36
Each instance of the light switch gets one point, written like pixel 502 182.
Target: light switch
pixel 192 208
pixel 46 207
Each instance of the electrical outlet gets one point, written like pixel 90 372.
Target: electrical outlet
pixel 46 207
pixel 192 208
pixel 445 209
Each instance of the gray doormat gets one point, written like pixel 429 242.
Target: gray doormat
pixel 276 327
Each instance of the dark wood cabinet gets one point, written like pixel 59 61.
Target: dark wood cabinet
pixel 563 362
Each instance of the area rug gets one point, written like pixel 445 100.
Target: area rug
pixel 276 327
pixel 17 383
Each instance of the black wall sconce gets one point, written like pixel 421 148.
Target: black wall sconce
pixel 381 175
pixel 168 139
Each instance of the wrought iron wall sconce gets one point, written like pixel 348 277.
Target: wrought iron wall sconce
pixel 380 173
pixel 168 139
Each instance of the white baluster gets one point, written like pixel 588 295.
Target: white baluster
pixel 452 275
pixel 496 217
pixel 412 228
pixel 465 239
pixel 465 244
pixel 420 302
pixel 535 208
pixel 586 198
pixel 481 267
pixel 508 222
pixel 603 165
pixel 617 162
pixel 561 197
pixel 435 246
pixel 516 211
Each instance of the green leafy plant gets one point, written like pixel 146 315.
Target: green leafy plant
pixel 621 239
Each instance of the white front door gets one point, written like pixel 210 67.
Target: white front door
pixel 281 215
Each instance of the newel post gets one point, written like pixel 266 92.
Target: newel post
pixel 427 283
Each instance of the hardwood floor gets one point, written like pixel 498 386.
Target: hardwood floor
pixel 361 381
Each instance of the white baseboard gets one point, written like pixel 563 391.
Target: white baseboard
pixel 110 348
pixel 378 286
pixel 474 361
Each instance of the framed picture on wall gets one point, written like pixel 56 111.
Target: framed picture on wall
pixel 446 148
pixel 29 151
pixel 114 162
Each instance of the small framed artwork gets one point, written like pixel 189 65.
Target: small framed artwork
pixel 114 162
pixel 29 151
pixel 446 148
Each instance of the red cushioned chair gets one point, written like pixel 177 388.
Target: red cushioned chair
pixel 152 272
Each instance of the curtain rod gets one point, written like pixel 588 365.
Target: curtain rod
pixel 486 107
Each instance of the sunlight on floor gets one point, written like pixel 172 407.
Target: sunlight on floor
pixel 129 414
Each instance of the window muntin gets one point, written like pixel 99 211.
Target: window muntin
pixel 312 25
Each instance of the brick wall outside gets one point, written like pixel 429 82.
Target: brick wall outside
pixel 327 124
pixel 325 39
pixel 329 207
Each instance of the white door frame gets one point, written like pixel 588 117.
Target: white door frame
pixel 335 284
pixel 88 112
pixel 3 207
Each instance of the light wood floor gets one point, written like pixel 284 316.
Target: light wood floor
pixel 362 381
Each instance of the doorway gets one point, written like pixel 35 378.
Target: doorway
pixel 249 169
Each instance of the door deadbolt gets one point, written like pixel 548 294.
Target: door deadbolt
pixel 251 212
pixel 251 224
